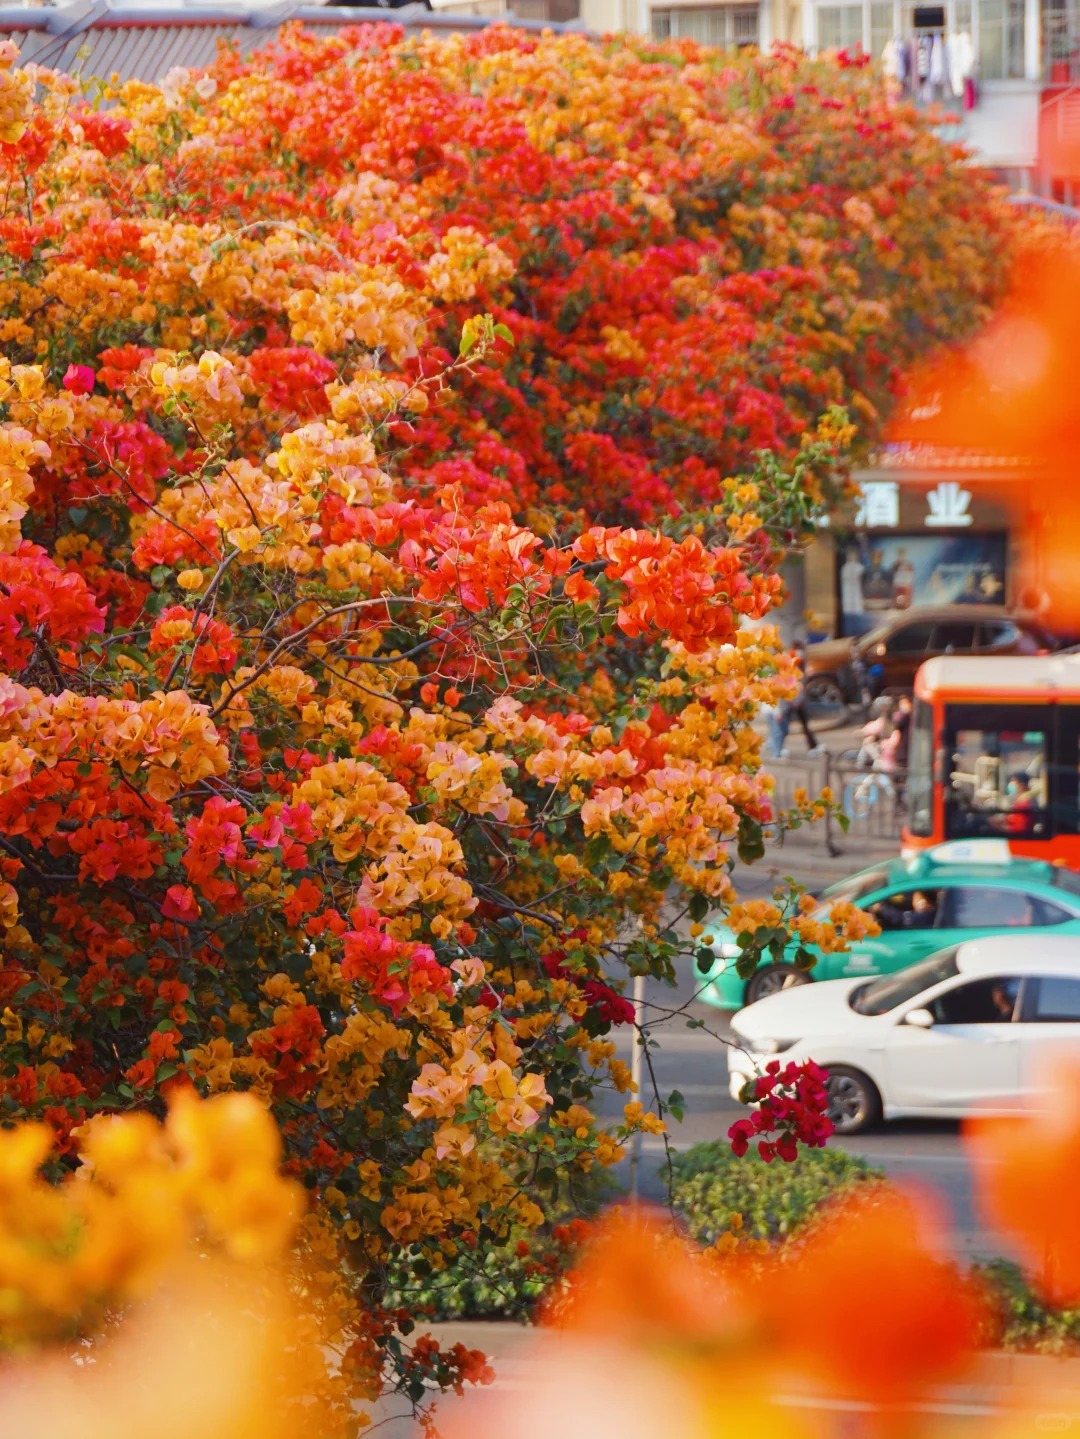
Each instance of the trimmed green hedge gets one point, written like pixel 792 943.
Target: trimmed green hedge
pixel 1021 1321
pixel 772 1199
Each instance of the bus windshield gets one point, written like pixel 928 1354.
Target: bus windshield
pixel 881 995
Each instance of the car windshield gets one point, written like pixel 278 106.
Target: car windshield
pixel 881 995
pixel 854 890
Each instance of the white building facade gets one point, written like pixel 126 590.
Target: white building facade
pixel 1020 113
pixel 1009 45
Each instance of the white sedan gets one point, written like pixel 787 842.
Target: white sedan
pixel 968 1030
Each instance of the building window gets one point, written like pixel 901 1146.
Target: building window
pixel 881 27
pixel 840 27
pixel 728 26
pixel 1061 41
pixel 1001 39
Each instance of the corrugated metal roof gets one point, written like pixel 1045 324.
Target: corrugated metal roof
pixel 143 42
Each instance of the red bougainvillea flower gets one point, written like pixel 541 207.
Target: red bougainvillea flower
pixel 79 379
pixel 790 1105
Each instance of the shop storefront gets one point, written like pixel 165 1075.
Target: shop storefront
pixel 926 532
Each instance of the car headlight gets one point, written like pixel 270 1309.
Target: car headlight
pixel 770 1046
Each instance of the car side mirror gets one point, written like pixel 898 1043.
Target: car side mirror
pixel 919 1018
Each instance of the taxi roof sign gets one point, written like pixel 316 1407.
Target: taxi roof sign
pixel 966 851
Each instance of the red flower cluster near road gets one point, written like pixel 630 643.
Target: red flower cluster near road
pixel 789 1102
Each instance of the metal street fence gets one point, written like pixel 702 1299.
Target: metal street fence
pixel 146 42
pixel 873 801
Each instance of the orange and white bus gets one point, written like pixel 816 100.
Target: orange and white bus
pixel 994 752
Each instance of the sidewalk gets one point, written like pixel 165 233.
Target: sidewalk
pixel 526 1361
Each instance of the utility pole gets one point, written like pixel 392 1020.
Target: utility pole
pixel 637 1063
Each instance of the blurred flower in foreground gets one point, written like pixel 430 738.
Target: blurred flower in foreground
pixel 1028 1172
pixel 213 1354
pixel 1010 398
pixel 655 1337
pixel 864 1304
pixel 858 1309
pixel 145 1293
pixel 72 1252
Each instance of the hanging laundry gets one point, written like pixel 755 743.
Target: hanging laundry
pixel 971 93
pixel 903 66
pixel 961 57
pixel 890 59
pixel 938 70
pixel 922 67
pixel 911 66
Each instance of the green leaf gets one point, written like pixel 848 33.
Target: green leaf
pixel 677 1104
pixel 747 963
pixel 504 333
pixel 698 907
pixel 751 842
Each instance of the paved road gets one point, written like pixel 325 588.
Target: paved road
pixel 692 1061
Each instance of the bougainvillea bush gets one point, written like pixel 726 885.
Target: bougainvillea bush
pixel 398 441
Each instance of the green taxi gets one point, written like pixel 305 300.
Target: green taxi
pixel 943 896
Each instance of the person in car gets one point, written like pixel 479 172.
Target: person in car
pixel 920 915
pixel 1004 1003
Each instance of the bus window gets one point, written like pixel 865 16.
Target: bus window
pixel 920 794
pixel 1065 794
pixel 997 771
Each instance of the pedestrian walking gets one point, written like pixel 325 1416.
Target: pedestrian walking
pixel 796 709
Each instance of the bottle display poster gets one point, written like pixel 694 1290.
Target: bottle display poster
pixel 882 576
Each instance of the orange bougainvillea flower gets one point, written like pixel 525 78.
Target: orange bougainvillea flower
pixel 1028 1172
pixel 865 1305
pixel 640 1283
pixel 1010 398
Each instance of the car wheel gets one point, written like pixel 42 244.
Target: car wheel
pixel 825 697
pixel 772 979
pixel 854 1103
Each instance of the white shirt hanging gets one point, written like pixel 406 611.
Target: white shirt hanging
pixel 938 69
pixel 961 61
